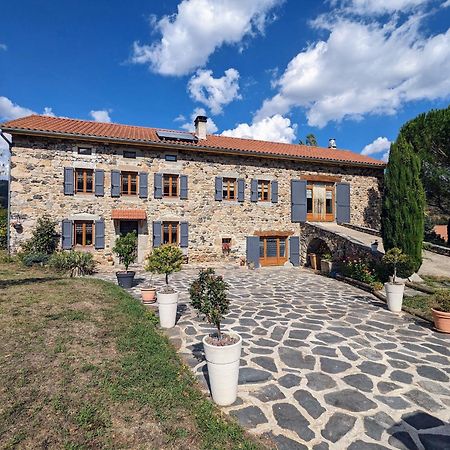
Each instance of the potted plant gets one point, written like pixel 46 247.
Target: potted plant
pixel 166 260
pixel 441 310
pixel 148 293
pixel 126 250
pixel 326 263
pixel 394 289
pixel 222 350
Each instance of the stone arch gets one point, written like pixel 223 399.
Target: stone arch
pixel 319 245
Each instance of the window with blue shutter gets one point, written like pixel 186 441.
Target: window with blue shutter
pixel 115 183
pixel 69 181
pixel 274 191
pixel 143 185
pixel 219 189
pixel 252 250
pixel 66 234
pixel 158 185
pixel 298 201
pixel 99 234
pixel 99 182
pixel 294 250
pixel 343 202
pixel 241 190
pixel 254 190
pixel 184 234
pixel 156 234
pixel 183 187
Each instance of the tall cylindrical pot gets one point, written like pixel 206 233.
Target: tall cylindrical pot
pixel 223 370
pixel 167 307
pixel 394 296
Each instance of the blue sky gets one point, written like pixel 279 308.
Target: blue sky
pixel 354 70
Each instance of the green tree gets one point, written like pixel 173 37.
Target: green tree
pixel 126 249
pixel 311 140
pixel 165 259
pixel 403 208
pixel 44 239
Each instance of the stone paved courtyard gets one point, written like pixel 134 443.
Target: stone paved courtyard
pixel 325 365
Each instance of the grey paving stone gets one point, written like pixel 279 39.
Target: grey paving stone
pixel 402 440
pixel 299 334
pixel 309 403
pixel 384 387
pixel 278 333
pixel 434 441
pixel 432 373
pixel 423 400
pixel 329 338
pixel 268 393
pixel 362 445
pixel 434 387
pixel 250 375
pixel 321 446
pixel 386 346
pixel 296 359
pixel 403 357
pixel 376 424
pixel 329 365
pixel 290 418
pixel 260 350
pixel 396 364
pixel 266 343
pixel 372 368
pixel 370 354
pixel 289 380
pixel 350 400
pixel 401 376
pixel 284 443
pixel 266 363
pixel 344 331
pixel 249 417
pixel 338 426
pixel 324 351
pixel 318 381
pixel 359 381
pixel 348 353
pixel 393 402
pixel 421 420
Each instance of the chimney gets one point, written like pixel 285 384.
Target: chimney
pixel 332 143
pixel 200 126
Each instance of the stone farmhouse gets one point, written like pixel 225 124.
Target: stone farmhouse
pixel 216 197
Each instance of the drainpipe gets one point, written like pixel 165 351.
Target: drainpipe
pixel 9 192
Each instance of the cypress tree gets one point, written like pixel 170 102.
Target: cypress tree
pixel 403 209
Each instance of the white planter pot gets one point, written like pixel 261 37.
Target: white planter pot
pixel 223 370
pixel 167 307
pixel 394 296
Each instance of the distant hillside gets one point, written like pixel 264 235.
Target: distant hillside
pixel 3 193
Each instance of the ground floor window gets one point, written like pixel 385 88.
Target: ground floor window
pixel 170 233
pixel 320 202
pixel 84 233
pixel 272 250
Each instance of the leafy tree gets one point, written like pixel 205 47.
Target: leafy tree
pixel 165 259
pixel 44 239
pixel 311 140
pixel 393 258
pixel 403 208
pixel 209 296
pixel 126 249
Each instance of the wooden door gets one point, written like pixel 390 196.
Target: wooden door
pixel 273 250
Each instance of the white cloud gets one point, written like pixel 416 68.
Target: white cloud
pixel 380 144
pixel 446 4
pixel 275 129
pixel 375 7
pixel 363 68
pixel 198 28
pixel 180 118
pixel 211 127
pixel 48 112
pixel 3 47
pixel 101 115
pixel 214 92
pixel 11 111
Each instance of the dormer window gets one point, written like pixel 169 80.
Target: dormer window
pixel 85 151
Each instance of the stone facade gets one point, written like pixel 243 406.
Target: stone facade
pixel 37 180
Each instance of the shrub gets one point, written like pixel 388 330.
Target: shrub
pixel 209 296
pixel 44 239
pixel 393 259
pixel 359 269
pixel 73 262
pixel 377 285
pixel 126 249
pixel 440 300
pixel 3 228
pixel 31 259
pixel 165 259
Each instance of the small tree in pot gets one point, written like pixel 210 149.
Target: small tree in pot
pixel 394 289
pixel 166 260
pixel 126 250
pixel 222 351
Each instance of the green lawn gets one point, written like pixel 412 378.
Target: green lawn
pixel 83 365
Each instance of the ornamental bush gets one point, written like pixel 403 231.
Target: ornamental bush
pixel 393 259
pixel 126 249
pixel 359 269
pixel 73 262
pixel 440 300
pixel 165 259
pixel 44 239
pixel 209 296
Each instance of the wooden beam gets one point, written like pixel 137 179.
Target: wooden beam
pixel 322 178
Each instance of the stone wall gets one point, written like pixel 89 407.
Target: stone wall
pixel 37 188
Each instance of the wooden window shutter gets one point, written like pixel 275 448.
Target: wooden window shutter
pixel 298 201
pixel 294 250
pixel 241 190
pixel 99 175
pixel 254 190
pixel 219 188
pixel 66 234
pixel 158 192
pixel 252 250
pixel 343 202
pixel 143 184
pixel 115 183
pixel 274 191
pixel 69 181
pixel 156 234
pixel 99 234
pixel 184 234
pixel 183 187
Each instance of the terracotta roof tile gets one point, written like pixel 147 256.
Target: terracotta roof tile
pixel 112 131
pixel 128 214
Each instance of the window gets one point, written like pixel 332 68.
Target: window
pixel 84 233
pixel 263 190
pixel 226 246
pixel 170 185
pixel 84 151
pixel 129 154
pixel 171 158
pixel 229 189
pixel 84 181
pixel 309 201
pixel 320 202
pixel 170 233
pixel 128 183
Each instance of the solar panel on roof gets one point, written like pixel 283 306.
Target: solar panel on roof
pixel 175 136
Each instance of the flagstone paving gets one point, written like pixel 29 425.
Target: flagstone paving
pixel 325 365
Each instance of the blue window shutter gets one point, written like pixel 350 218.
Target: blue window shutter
pixel 183 187
pixel 219 189
pixel 99 234
pixel 343 202
pixel 184 234
pixel 274 191
pixel 66 234
pixel 294 250
pixel 69 181
pixel 254 190
pixel 115 183
pixel 99 175
pixel 158 185
pixel 298 201
pixel 143 185
pixel 252 251
pixel 156 234
pixel 241 190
